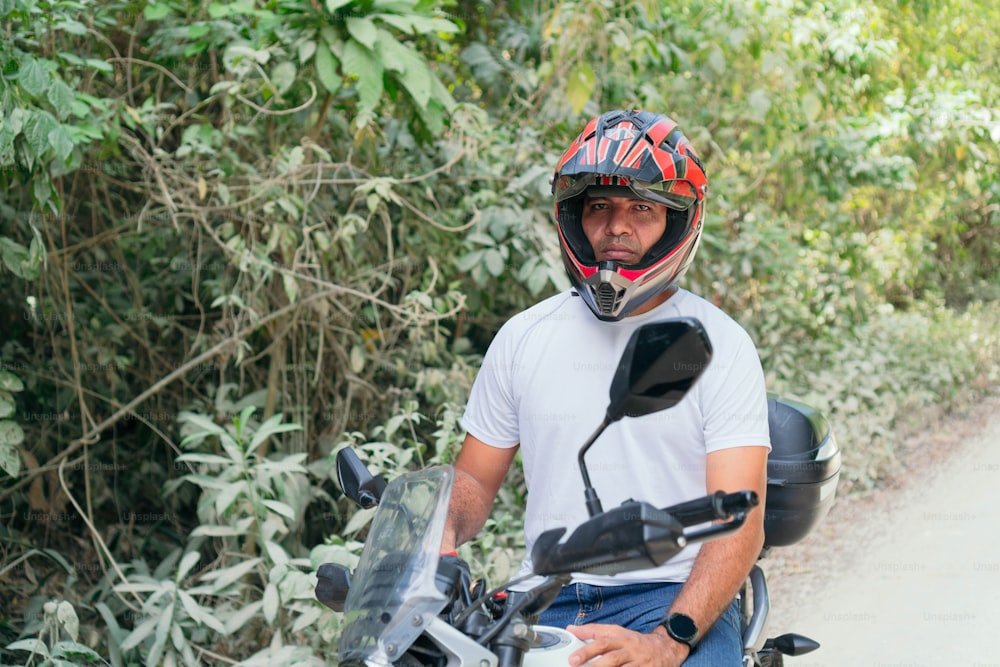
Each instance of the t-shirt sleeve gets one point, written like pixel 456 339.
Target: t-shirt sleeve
pixel 491 412
pixel 735 398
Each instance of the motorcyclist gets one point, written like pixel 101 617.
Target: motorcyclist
pixel 629 202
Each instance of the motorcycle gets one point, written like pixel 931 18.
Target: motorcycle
pixel 406 605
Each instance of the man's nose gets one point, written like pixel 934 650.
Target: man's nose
pixel 618 224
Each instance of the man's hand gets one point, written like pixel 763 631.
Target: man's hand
pixel 613 645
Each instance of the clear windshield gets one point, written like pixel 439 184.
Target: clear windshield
pixel 393 595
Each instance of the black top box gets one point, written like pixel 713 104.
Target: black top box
pixel 802 471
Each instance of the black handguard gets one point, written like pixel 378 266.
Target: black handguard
pixel 454 578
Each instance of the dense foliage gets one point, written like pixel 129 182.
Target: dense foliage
pixel 237 235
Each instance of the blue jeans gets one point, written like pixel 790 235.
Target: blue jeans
pixel 641 607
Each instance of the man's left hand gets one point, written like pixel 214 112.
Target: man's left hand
pixel 613 645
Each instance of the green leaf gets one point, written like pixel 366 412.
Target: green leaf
pixel 481 238
pixel 179 641
pixel 269 428
pixel 71 58
pixel 216 531
pixel 197 457
pixel 199 30
pixel 357 358
pixel 33 78
pixel 61 98
pixel 156 12
pixel 6 147
pixel 420 25
pixel 326 68
pixel 60 142
pixel 363 30
pixel 140 632
pixel 229 575
pixel 306 51
pixel 227 496
pixel 242 616
pixel 10 460
pixel 7 407
pixel 192 608
pixel 307 618
pixel 280 508
pixel 9 381
pixel 580 86
pixel 358 520
pixel 187 562
pixel 42 189
pixel 19 261
pixel 11 433
pixel 759 102
pixel 99 65
pixel 75 652
pixel 199 614
pixel 291 287
pixel 66 615
pixel 162 634
pixel 416 76
pixel 138 587
pixel 33 645
pixel 494 262
pixel 283 76
pixel 359 61
pixel 271 602
pixel 812 106
pixel 468 261
pixel 206 425
pixel 333 5
pixel 36 130
pixel 277 554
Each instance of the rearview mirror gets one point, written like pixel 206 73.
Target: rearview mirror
pixel 660 363
pixel 356 481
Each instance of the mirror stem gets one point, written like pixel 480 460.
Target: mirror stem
pixel 593 502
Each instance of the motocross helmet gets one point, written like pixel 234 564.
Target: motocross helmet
pixel 642 155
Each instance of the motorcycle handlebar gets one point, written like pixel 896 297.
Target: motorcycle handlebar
pixel 719 506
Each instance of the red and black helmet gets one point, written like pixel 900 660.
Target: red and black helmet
pixel 647 154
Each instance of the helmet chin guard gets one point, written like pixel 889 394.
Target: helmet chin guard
pixel 607 291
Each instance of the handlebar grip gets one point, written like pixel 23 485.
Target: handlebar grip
pixel 740 501
pixel 717 506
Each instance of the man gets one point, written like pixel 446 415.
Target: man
pixel 629 196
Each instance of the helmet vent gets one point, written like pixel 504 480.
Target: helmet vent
pixel 607 297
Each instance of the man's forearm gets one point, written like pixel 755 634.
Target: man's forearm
pixel 467 512
pixel 718 573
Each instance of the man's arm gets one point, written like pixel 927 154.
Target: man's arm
pixel 718 573
pixel 479 472
pixel 723 564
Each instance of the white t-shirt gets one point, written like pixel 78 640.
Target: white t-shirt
pixel 544 384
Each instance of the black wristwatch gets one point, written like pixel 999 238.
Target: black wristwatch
pixel 682 628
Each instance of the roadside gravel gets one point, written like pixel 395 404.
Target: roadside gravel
pixel 907 575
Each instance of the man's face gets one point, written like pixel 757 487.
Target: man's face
pixel 622 229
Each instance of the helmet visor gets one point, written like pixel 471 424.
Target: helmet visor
pixel 677 194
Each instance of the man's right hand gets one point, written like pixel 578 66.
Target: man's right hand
pixel 613 645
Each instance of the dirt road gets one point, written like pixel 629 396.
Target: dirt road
pixel 910 577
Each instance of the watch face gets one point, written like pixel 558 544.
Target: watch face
pixel 682 627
